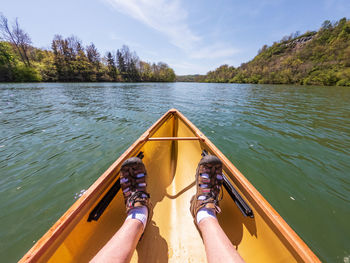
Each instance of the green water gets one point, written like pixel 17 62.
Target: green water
pixel 292 143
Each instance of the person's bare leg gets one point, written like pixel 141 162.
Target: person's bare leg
pixel 121 246
pixel 217 245
pixel 205 205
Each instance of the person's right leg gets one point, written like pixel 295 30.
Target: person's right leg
pixel 205 205
pixel 217 245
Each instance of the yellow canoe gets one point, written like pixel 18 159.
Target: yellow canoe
pixel 171 147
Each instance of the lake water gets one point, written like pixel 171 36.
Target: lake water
pixel 291 142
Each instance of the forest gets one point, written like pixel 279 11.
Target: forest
pixel 69 60
pixel 313 58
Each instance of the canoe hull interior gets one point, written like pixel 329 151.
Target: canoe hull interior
pixel 171 236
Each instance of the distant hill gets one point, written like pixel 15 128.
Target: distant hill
pixel 190 78
pixel 313 58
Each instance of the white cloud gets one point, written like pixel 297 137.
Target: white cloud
pixel 171 19
pixel 167 17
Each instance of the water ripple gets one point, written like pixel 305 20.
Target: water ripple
pixel 292 143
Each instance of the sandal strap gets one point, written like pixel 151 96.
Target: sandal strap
pixel 138 198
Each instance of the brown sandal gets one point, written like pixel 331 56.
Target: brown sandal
pixel 133 177
pixel 209 180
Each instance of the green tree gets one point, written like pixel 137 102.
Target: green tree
pixel 7 62
pixel 121 63
pixel 112 69
pixel 94 59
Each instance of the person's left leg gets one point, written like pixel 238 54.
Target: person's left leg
pixel 205 206
pixel 121 246
pixel 218 247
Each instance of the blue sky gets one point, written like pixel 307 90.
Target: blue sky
pixel 192 36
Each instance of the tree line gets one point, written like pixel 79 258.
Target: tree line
pixel 313 58
pixel 69 61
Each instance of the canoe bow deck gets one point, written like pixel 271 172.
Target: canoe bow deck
pixel 172 148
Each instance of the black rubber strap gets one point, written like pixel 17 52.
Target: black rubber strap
pixel 237 198
pixel 105 201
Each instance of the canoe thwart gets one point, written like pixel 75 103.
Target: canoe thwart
pixel 173 139
pixel 105 201
pixel 236 197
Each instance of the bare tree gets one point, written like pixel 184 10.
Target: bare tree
pixel 93 55
pixel 17 37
